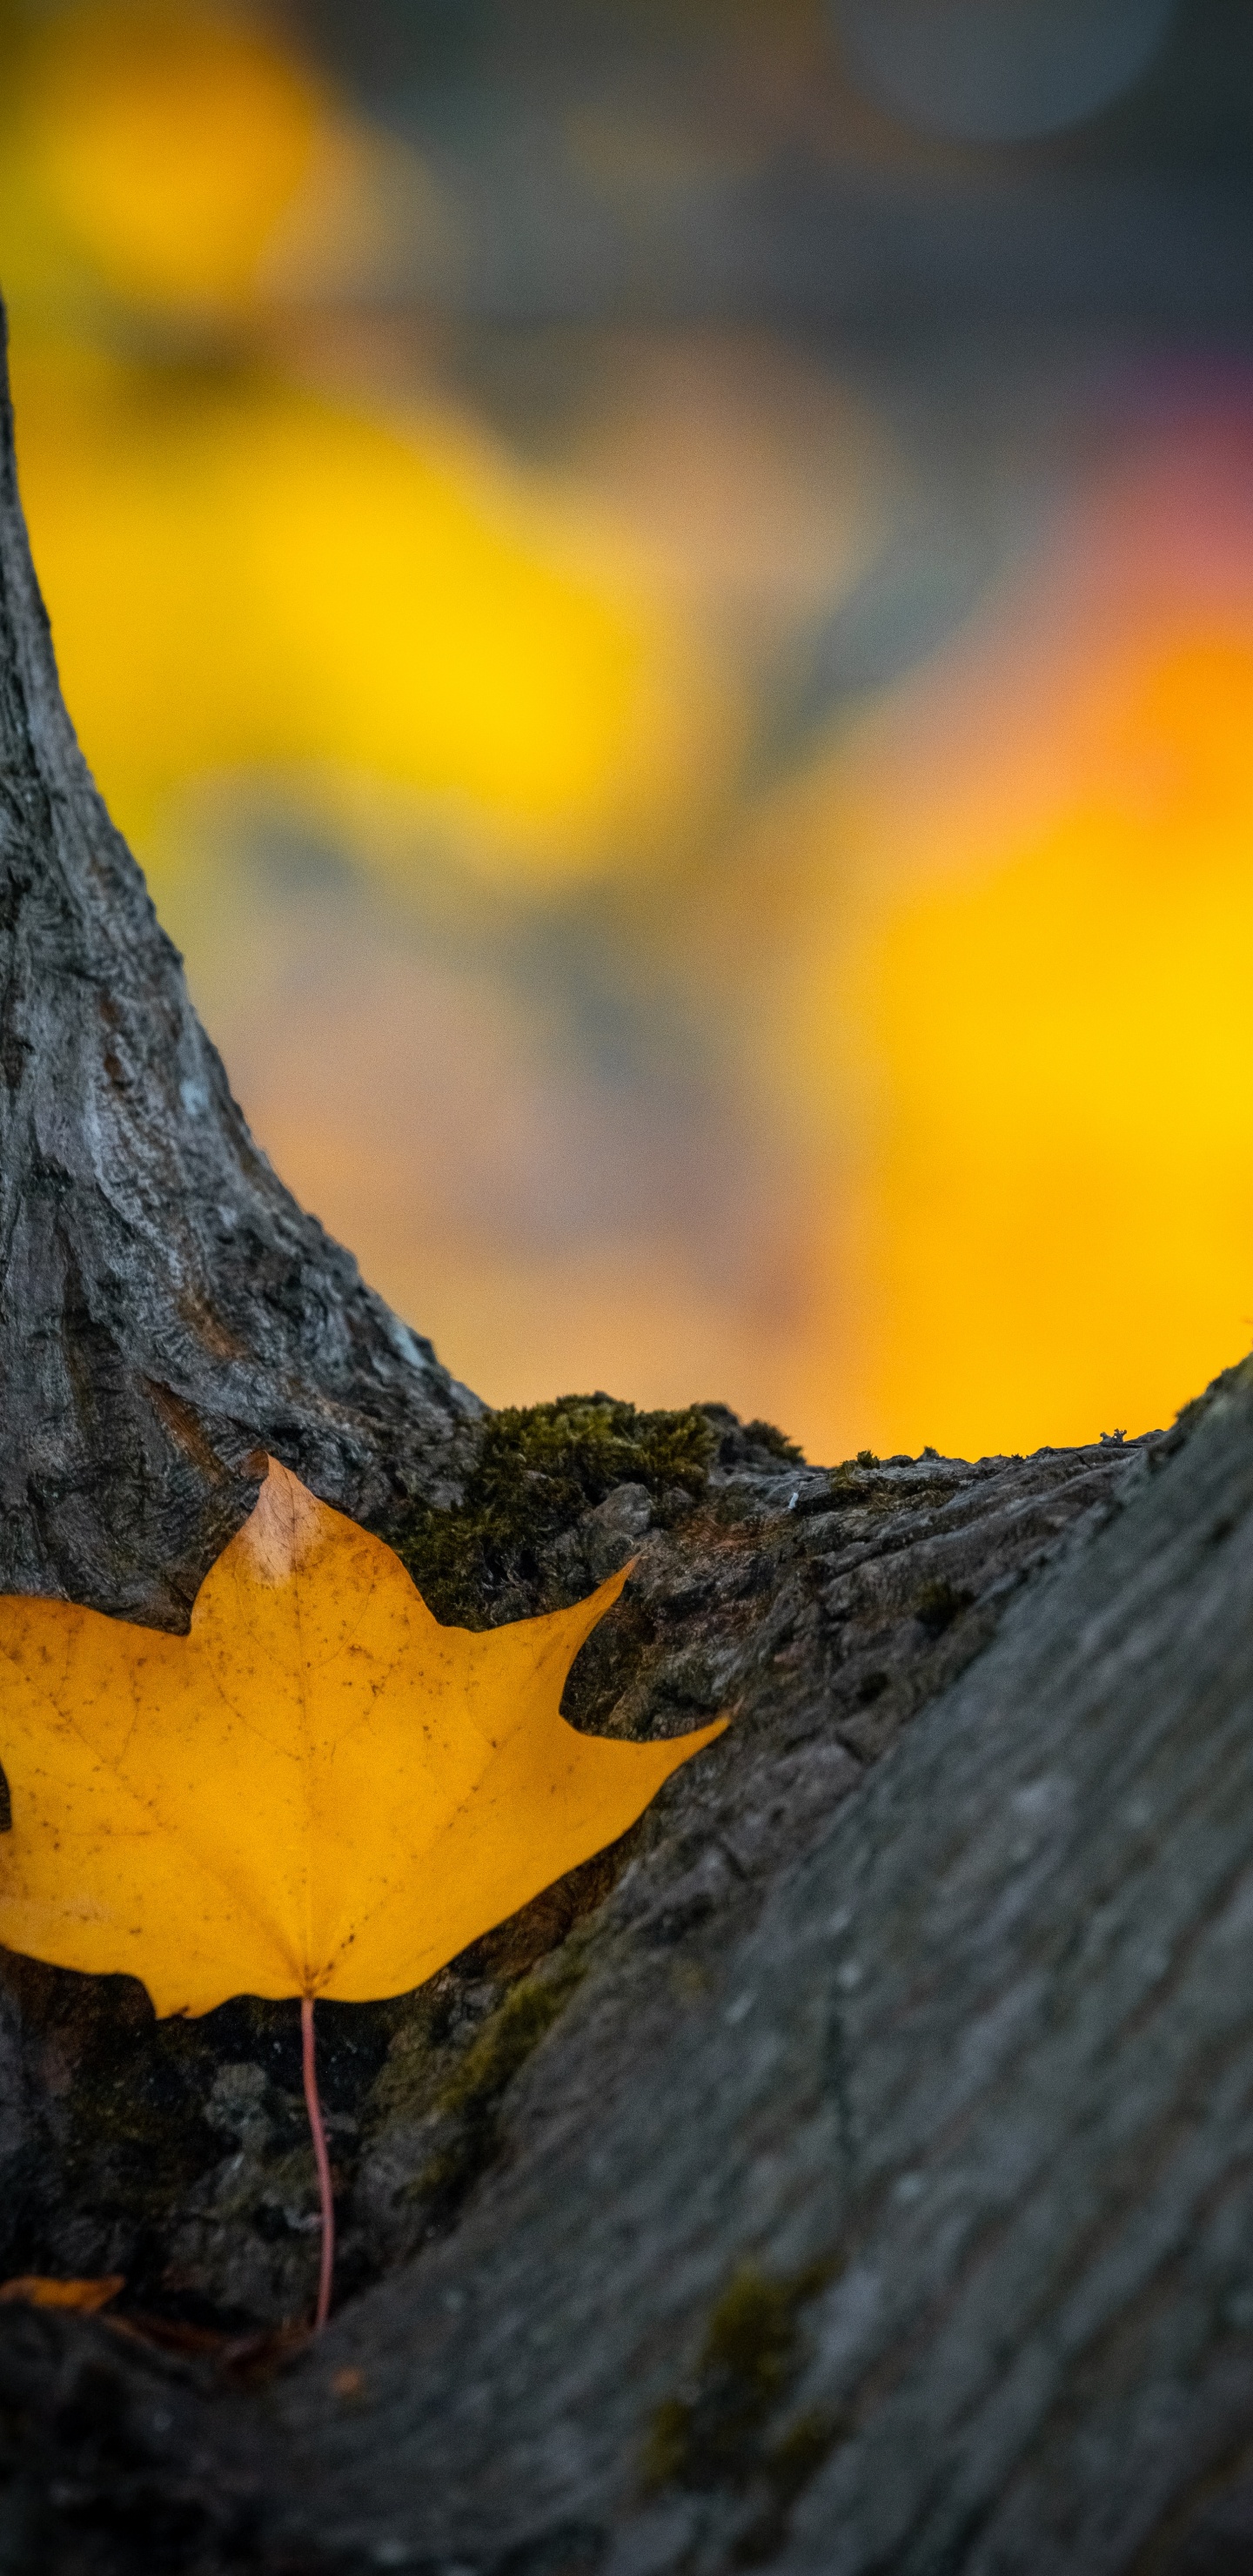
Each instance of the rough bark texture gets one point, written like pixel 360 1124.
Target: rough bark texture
pixel 851 2173
pixel 906 2222
pixel 167 1309
pixel 178 2153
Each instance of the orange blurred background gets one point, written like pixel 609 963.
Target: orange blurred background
pixel 667 602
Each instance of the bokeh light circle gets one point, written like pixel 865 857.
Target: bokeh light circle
pixel 999 70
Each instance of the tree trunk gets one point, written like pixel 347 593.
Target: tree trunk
pixel 849 2174
pixel 168 1310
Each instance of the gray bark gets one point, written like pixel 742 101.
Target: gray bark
pixel 973 2096
pixel 875 2198
pixel 166 1309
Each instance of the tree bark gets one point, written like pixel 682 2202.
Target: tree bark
pixel 167 1311
pixel 850 2176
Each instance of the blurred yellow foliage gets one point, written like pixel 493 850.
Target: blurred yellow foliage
pixel 243 575
pixel 170 137
pixel 1053 1223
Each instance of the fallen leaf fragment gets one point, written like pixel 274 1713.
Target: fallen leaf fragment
pixel 318 1791
pixel 34 2290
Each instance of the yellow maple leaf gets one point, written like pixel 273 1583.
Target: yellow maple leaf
pixel 318 1791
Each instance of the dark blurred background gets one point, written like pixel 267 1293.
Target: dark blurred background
pixel 666 596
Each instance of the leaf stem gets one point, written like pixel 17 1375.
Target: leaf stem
pixel 321 2159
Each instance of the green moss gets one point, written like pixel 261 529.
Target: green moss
pixel 540 1468
pixel 787 2468
pixel 799 2453
pixel 751 2335
pixel 668 2453
pixel 506 2042
pixel 717 2433
pixel 471 2095
pixel 767 1435
pixel 847 1471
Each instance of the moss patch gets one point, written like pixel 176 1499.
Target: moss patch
pixel 748 1444
pixel 506 2042
pixel 541 1467
pixel 767 1436
pixel 721 2431
pixel 469 2100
